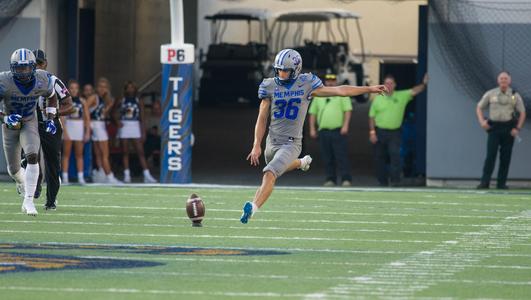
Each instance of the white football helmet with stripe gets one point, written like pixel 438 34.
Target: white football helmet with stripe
pixel 23 64
pixel 288 60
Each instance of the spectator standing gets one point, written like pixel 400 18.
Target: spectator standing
pixel 385 121
pixel 332 117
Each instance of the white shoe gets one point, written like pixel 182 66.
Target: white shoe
pixel 21 190
pixel 127 178
pixel 64 180
pixel 28 207
pixel 81 180
pixel 149 179
pixel 112 180
pixel 305 163
pixel 99 176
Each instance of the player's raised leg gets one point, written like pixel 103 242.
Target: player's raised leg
pixel 281 159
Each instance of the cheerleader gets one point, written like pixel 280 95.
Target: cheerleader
pixel 76 131
pixel 131 125
pixel 100 105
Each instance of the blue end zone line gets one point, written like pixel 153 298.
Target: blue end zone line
pixel 308 188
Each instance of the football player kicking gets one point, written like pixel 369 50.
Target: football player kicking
pixel 286 98
pixel 20 90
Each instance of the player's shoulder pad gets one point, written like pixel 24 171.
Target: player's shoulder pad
pixel 4 77
pixel 43 75
pixel 266 87
pixel 267 82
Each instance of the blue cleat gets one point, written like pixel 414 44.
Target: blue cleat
pixel 247 212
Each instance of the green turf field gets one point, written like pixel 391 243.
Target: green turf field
pixel 137 243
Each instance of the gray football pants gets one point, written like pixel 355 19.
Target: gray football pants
pixel 26 138
pixel 279 156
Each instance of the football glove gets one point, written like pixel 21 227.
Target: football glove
pixel 12 121
pixel 50 127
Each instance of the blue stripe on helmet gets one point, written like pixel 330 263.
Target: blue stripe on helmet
pixel 277 62
pixel 21 55
pixel 284 56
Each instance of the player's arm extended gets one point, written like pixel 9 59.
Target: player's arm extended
pixel 347 90
pixel 259 132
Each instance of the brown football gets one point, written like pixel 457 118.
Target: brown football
pixel 195 208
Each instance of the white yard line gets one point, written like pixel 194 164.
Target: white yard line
pixel 225 237
pixel 259 219
pixel 405 277
pixel 236 237
pixel 299 277
pixel 319 199
pixel 295 212
pixel 173 225
pixel 147 291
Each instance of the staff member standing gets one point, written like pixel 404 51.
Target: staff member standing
pixel 385 121
pixel 51 143
pixel 333 118
pixel 502 127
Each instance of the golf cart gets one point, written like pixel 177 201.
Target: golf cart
pixel 232 72
pixel 329 55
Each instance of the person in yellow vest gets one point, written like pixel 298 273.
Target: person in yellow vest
pixel 332 116
pixel 385 122
pixel 506 119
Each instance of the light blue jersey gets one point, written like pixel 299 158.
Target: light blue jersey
pixel 289 104
pixel 22 100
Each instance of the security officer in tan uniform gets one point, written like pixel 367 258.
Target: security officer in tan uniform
pixel 506 118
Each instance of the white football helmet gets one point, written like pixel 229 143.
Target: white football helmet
pixel 288 60
pixel 23 64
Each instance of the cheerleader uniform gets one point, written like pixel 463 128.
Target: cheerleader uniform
pixel 130 117
pixel 97 122
pixel 74 121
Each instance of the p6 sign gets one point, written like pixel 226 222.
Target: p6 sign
pixel 177 54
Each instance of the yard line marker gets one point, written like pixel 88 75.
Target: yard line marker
pixel 148 291
pixel 297 277
pixel 236 237
pixel 173 225
pixel 305 221
pixel 416 273
pixel 372 201
pixel 275 211
pixel 291 262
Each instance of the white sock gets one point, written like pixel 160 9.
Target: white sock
pixel 19 176
pixel 79 175
pixel 30 184
pixel 110 175
pixel 255 207
pixel 127 173
pixel 146 173
pixel 302 163
pixel 65 176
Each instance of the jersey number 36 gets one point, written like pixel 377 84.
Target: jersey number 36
pixel 288 109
